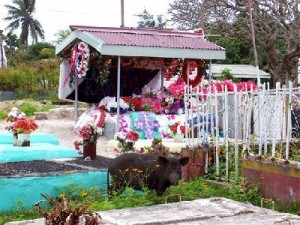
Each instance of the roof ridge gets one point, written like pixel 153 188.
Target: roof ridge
pixel 133 30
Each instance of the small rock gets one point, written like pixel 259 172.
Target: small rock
pixel 40 116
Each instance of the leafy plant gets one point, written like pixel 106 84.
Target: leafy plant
pixel 28 108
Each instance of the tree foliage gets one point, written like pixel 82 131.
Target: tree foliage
pixel 147 20
pixel 61 35
pixel 20 15
pixel 276 25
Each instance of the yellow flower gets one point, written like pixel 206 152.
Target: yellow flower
pixel 62 195
pixel 126 170
pixel 134 170
pixel 68 172
pixel 84 193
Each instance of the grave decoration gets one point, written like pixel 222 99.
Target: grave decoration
pixel 20 127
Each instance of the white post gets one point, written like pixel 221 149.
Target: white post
pixel 226 131
pixel 76 98
pixel 186 110
pixel 236 132
pixel 198 139
pixel 192 116
pixel 249 112
pixel 217 132
pixel 118 93
pixel 288 130
pixel 261 97
pixel 275 119
pixel 245 125
pixel 266 124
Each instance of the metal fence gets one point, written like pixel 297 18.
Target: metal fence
pixel 235 124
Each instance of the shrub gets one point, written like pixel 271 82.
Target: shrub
pixel 37 80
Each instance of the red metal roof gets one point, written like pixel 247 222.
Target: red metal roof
pixel 149 37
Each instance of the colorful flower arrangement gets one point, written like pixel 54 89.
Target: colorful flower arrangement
pixel 177 128
pixel 18 123
pixel 13 116
pixel 24 125
pixel 126 140
pixel 134 103
pixel 173 105
pixel 152 101
pixel 80 58
pixel 89 135
pixel 177 88
pixel 103 65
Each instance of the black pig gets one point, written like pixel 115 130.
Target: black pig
pixel 145 170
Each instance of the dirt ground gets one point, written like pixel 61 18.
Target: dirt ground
pixel 62 127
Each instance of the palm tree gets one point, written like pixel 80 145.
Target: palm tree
pixel 21 16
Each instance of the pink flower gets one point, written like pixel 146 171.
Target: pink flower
pixel 85 132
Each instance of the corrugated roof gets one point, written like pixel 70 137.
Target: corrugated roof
pixel 149 38
pixel 238 70
pixel 144 42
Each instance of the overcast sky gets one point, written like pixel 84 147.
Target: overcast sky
pixel 55 15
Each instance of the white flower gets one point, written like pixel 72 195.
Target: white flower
pixel 114 104
pixel 205 82
pixel 107 100
pixel 120 136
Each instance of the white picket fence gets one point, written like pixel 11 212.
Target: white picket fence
pixel 253 122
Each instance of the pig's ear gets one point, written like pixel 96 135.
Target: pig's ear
pixel 183 161
pixel 162 160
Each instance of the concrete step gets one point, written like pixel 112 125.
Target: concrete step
pixel 217 211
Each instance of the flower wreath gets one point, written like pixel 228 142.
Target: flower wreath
pixel 101 120
pixel 198 77
pixel 80 58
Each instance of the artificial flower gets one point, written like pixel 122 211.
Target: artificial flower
pixel 127 140
pixel 24 125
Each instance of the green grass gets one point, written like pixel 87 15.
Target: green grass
pixel 187 190
pixel 2 115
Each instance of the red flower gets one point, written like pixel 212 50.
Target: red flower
pixel 76 144
pixel 173 127
pixel 24 125
pixel 142 150
pixel 182 129
pixel 133 136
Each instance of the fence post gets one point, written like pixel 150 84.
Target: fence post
pixel 288 130
pixel 275 116
pixel 226 129
pixel 236 132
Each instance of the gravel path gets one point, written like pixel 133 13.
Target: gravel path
pixel 47 167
